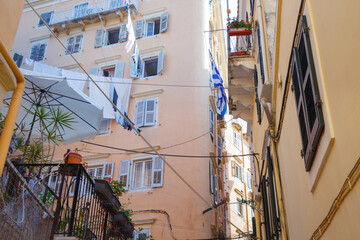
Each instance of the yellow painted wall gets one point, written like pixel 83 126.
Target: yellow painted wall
pixel 334 35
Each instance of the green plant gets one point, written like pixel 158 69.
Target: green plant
pixel 235 23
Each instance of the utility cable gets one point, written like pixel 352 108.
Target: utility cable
pixel 164 154
pixel 117 109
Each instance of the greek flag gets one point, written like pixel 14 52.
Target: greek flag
pixel 221 102
pixel 215 75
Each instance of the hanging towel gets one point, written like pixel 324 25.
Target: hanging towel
pixel 28 61
pixel 122 86
pixel 99 98
pixel 76 79
pixel 44 68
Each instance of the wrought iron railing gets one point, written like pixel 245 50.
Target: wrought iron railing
pixel 23 215
pixel 87 10
pixel 69 192
pixel 240 45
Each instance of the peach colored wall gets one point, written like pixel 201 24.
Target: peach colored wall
pixel 183 113
pixel 308 201
pixel 9 18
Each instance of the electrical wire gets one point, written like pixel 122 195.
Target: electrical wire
pixel 164 154
pixel 151 84
pixel 115 107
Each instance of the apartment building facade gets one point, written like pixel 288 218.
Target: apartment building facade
pixel 303 122
pixel 168 103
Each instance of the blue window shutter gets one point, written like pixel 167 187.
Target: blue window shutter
pixel 260 56
pixel 157 172
pixel 18 59
pixel 164 22
pixel 94 71
pixel 139 113
pixel 160 65
pixel 99 38
pixel 124 173
pixel 119 70
pixel 139 28
pixel 123 33
pixel 150 112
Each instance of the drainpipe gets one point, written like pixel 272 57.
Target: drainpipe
pixel 263 32
pixel 10 120
pixel 278 188
pixel 258 217
pixel 243 159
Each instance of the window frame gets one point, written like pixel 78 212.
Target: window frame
pixel 153 21
pixel 46 43
pixel 236 139
pixel 310 135
pixel 74 43
pixel 137 234
pixel 144 112
pixel 40 24
pixel 131 174
pixel 78 4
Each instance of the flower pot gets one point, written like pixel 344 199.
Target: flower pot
pixel 73 158
pixel 239 32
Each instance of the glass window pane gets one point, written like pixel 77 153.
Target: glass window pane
pixel 150 29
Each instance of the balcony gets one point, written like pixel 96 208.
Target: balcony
pixel 59 201
pixel 86 13
pixel 241 70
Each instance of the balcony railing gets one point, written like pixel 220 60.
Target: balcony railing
pixel 86 10
pixel 70 193
pixel 239 45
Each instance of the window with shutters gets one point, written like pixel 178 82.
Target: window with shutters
pixel 143 234
pixel 236 139
pixel 146 66
pixel 219 147
pixel 239 208
pixel 151 26
pixel 307 96
pixel 242 173
pixel 95 172
pixel 80 10
pixel 145 173
pixel 47 16
pixel 111 36
pixel 260 57
pixel 74 44
pixel 237 171
pixel 211 122
pixel 38 50
pixel 146 112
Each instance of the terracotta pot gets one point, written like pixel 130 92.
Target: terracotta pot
pixel 73 158
pixel 239 32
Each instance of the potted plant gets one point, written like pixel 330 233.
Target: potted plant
pixel 73 158
pixel 239 28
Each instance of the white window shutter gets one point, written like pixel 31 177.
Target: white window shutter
pixel 139 28
pixel 243 174
pixel 211 178
pixel 94 71
pixel 99 38
pixel 124 173
pixel 157 172
pixel 160 65
pixel 164 22
pixel 150 110
pixel 123 33
pixel 139 113
pixel 140 67
pixel 133 67
pixel 108 170
pixel 119 70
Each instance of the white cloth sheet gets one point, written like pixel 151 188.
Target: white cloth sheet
pixel 76 79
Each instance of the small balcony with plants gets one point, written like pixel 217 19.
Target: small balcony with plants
pixel 240 67
pixel 85 13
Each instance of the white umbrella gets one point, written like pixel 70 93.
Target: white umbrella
pixel 54 91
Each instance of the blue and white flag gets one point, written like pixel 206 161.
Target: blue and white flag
pixel 221 102
pixel 215 75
